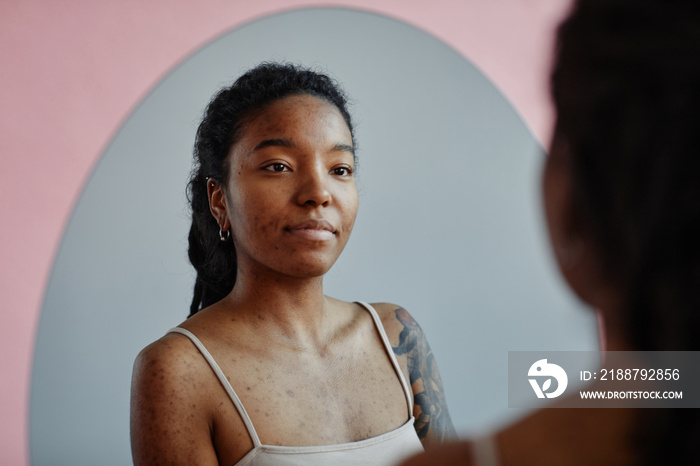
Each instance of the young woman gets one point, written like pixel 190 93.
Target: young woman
pixel 622 201
pixel 268 370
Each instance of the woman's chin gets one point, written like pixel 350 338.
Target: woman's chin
pixel 310 267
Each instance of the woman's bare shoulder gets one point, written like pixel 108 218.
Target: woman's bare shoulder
pixel 170 416
pixel 170 365
pixel 395 320
pixel 172 353
pixel 570 436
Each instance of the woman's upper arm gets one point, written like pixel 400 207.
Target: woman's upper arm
pixel 433 423
pixel 169 425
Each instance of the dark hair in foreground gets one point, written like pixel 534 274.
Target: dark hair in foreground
pixel 224 118
pixel 626 86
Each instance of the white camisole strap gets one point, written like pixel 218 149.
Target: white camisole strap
pixel 392 356
pixel 224 382
pixel 237 402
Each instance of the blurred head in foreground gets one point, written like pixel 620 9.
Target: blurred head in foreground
pixel 622 200
pixel 622 185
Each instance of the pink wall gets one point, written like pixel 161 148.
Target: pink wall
pixel 70 73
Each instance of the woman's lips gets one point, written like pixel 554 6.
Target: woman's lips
pixel 314 230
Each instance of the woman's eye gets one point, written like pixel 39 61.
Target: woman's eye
pixel 277 167
pixel 342 171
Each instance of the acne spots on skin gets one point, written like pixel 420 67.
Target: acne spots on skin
pixel 285 115
pixel 258 213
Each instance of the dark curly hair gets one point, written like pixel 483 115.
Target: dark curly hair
pixel 626 85
pixel 224 118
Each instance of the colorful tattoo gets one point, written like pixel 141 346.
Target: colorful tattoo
pixel 433 423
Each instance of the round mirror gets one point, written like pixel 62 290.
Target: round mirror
pixel 449 227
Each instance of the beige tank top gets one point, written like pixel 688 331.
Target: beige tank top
pixel 386 449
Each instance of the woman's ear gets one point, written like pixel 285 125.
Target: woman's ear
pixel 217 203
pixel 568 233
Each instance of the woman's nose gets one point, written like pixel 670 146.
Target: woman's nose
pixel 314 189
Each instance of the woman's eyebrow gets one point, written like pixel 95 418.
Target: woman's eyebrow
pixel 281 142
pixel 344 148
pixel 273 143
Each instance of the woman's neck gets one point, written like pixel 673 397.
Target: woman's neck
pixel 612 332
pixel 288 308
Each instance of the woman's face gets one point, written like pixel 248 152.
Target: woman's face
pixel 291 199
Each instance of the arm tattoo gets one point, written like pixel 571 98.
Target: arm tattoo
pixel 433 423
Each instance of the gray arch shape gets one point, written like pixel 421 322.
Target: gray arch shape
pixel 449 227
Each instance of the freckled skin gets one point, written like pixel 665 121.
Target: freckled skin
pixel 309 369
pixel 260 204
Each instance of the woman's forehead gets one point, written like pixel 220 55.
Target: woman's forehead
pixel 296 117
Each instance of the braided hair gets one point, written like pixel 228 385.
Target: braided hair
pixel 626 86
pixel 225 117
